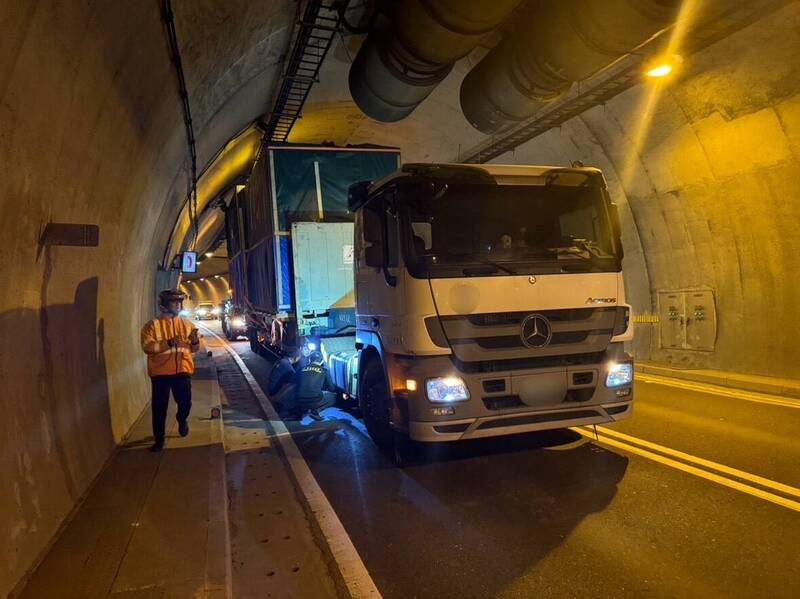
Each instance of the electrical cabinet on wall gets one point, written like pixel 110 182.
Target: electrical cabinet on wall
pixel 688 319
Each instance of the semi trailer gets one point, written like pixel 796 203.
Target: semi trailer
pixel 289 232
pixel 488 300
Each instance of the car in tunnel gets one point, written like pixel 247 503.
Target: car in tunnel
pixel 233 320
pixel 206 311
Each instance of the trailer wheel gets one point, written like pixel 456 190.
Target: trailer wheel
pixel 374 404
pixel 252 335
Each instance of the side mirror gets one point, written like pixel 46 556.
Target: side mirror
pixel 616 227
pixel 357 195
pixel 375 256
pixel 375 250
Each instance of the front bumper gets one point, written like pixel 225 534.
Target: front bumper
pixel 522 422
pixel 518 401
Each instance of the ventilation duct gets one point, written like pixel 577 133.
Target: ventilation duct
pixel 413 48
pixel 552 45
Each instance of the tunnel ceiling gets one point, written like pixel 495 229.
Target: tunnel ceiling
pixel 232 84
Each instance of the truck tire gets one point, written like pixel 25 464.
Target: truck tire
pixel 252 335
pixel 374 404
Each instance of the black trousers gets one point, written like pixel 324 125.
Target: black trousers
pixel 181 387
pixel 301 405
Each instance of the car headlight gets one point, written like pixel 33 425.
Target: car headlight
pixel 619 374
pixel 446 389
pixel 238 322
pixel 216 310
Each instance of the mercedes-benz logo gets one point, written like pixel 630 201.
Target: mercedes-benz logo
pixel 536 331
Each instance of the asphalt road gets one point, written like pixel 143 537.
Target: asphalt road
pixel 557 515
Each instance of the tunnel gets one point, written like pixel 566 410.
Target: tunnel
pixel 131 131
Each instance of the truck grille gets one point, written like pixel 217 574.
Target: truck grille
pixel 493 337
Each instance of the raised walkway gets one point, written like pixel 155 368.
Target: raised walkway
pixel 215 515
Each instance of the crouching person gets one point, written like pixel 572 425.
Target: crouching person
pixel 282 383
pixel 312 383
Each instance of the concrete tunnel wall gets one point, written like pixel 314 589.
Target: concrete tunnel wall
pixel 91 131
pixel 709 192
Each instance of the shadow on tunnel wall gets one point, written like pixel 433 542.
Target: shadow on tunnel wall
pixel 492 509
pixel 57 424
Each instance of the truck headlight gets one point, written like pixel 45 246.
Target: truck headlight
pixel 238 322
pixel 619 374
pixel 446 389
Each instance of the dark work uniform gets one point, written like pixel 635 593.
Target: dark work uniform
pixel 311 382
pixel 282 374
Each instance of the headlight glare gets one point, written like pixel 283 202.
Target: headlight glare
pixel 238 322
pixel 446 389
pixel 619 374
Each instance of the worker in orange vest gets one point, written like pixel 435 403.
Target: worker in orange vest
pixel 169 342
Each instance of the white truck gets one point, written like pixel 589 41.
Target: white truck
pixel 489 300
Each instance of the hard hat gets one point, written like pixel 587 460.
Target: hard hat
pixel 170 295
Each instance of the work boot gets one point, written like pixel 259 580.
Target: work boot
pixel 315 415
pixel 157 446
pixel 183 428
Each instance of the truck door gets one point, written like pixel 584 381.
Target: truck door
pixel 379 284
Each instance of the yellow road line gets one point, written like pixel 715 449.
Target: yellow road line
pixel 727 482
pixel 753 478
pixel 718 390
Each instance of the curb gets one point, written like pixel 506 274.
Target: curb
pixel 731 381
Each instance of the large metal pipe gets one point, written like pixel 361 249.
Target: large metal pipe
pixel 413 48
pixel 552 45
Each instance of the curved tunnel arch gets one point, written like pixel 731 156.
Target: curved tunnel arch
pixel 710 193
pixel 91 131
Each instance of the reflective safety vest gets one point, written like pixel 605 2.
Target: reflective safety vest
pixel 161 358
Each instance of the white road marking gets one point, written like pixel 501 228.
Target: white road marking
pixel 352 569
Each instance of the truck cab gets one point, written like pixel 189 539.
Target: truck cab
pixel 489 300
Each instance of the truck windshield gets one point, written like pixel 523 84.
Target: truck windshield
pixel 484 229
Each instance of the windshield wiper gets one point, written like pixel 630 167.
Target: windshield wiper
pixel 486 262
pixel 583 249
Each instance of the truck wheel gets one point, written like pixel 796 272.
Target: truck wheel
pixel 375 404
pixel 253 337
